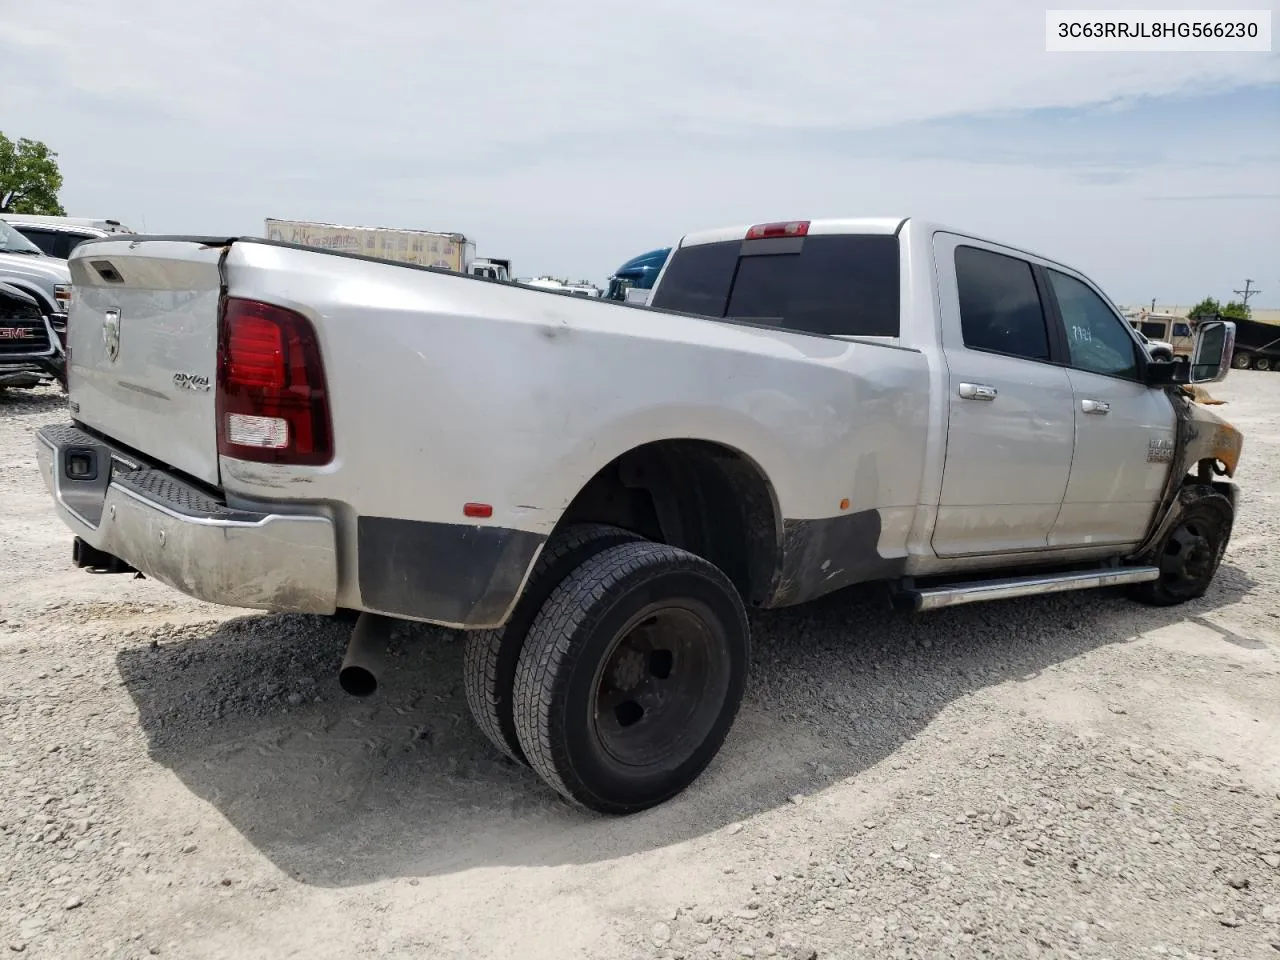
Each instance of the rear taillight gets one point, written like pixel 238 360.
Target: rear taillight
pixel 789 228
pixel 272 405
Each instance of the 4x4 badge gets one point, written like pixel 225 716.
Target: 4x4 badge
pixel 111 333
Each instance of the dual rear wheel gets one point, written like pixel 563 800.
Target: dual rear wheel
pixel 619 673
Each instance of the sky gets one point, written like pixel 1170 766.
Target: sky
pixel 571 135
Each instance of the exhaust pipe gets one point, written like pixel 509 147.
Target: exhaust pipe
pixel 366 651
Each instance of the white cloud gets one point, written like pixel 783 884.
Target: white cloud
pixel 571 135
pixel 489 70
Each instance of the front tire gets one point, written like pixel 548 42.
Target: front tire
pixel 490 656
pixel 1241 361
pixel 1191 552
pixel 631 677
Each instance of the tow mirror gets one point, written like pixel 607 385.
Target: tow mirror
pixel 1215 342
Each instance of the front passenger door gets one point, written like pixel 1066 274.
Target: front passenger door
pixel 1010 428
pixel 1124 429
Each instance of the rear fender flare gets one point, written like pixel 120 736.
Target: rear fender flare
pixel 554 488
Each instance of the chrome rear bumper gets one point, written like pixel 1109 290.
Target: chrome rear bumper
pixel 176 533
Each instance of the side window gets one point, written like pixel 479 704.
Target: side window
pixel 698 279
pixel 1096 337
pixel 64 244
pixel 1000 307
pixel 1181 330
pixel 44 239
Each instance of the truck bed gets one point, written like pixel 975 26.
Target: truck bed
pixel 444 391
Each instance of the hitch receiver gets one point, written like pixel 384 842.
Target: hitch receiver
pixel 87 556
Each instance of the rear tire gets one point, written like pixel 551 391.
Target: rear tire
pixel 1241 361
pixel 490 656
pixel 1262 363
pixel 1191 552
pixel 631 677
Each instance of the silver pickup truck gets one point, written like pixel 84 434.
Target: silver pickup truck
pixel 597 492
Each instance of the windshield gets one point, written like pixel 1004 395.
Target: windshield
pixel 618 287
pixel 11 241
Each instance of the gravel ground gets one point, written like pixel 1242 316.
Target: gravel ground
pixel 1063 777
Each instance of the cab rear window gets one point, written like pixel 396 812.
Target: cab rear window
pixel 826 284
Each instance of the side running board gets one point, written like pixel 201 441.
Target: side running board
pixel 950 595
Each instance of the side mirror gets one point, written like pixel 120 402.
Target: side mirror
pixel 1159 372
pixel 1215 342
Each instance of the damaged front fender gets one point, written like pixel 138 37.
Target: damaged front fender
pixel 1203 442
pixel 1206 436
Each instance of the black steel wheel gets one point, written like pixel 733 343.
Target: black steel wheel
pixel 1241 361
pixel 490 656
pixel 1191 552
pixel 631 676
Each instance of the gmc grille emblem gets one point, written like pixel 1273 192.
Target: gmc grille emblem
pixel 17 333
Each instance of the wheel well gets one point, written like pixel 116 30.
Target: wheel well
pixel 703 497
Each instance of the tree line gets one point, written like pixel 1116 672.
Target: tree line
pixel 1209 308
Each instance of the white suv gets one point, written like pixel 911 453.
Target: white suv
pixel 58 236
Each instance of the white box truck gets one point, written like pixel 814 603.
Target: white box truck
pixel 427 248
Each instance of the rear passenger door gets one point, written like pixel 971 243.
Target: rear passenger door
pixel 1011 426
pixel 1124 429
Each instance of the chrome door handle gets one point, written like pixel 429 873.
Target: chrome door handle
pixel 977 391
pixel 1095 406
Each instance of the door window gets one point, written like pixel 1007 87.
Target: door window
pixel 1096 338
pixel 1000 308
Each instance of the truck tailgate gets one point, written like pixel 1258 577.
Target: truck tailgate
pixel 142 333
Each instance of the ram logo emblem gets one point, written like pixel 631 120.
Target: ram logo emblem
pixel 111 333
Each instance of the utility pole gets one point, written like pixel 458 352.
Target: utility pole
pixel 1153 304
pixel 1246 293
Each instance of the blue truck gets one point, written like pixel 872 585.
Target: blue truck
pixel 637 273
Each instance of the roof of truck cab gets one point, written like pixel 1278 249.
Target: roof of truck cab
pixel 80 231
pixel 871 225
pixel 66 223
pixel 881 225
